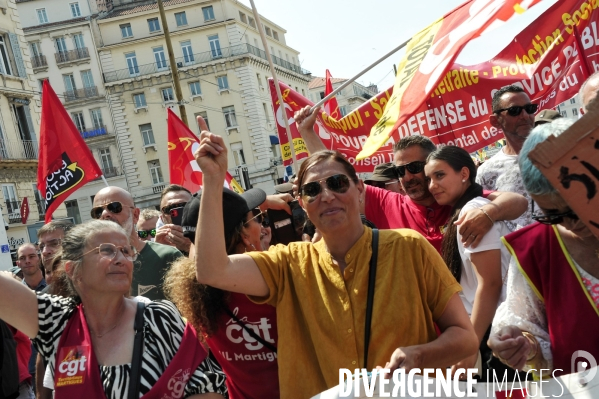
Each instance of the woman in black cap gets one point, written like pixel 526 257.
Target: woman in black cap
pixel 241 334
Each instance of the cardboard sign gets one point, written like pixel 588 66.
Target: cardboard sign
pixel 571 164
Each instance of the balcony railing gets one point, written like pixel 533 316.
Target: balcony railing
pixel 199 58
pixel 110 171
pixel 72 55
pixel 18 149
pixel 79 94
pixel 41 209
pixel 39 61
pixel 14 211
pixel 97 131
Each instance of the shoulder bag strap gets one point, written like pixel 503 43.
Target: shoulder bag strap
pixel 371 283
pixel 135 377
pixel 250 331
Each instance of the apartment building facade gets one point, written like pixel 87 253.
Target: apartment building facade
pixel 62 50
pixel 348 99
pixel 19 136
pixel 223 72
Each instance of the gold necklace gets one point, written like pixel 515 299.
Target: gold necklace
pixel 100 336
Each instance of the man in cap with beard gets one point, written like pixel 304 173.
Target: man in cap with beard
pixel 116 204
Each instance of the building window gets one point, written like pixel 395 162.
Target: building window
pixel 106 160
pixel 97 121
pixel 252 22
pixel 61 45
pixel 181 18
pixel 230 118
pixel 69 85
pixel 195 89
pixel 4 58
pixel 259 81
pixel 343 110
pixel 167 94
pixel 574 112
pixel 204 115
pixel 132 64
pixel 223 82
pixel 42 16
pixel 140 100
pixel 187 52
pixel 79 121
pixel 147 134
pixel 126 31
pixel 237 149
pixel 75 11
pixel 160 58
pixel 154 25
pixel 243 18
pixel 564 114
pixel 87 79
pixel 208 13
pixel 573 100
pixel 268 32
pixel 256 43
pixel 215 46
pixel 73 210
pixel 275 34
pixel 155 172
pixel 11 201
pixel 266 112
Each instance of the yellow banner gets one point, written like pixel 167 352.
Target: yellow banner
pixel 298 145
pixel 416 50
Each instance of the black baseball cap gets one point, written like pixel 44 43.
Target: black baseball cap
pixel 235 208
pixel 383 172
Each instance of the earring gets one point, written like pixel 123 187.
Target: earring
pixel 253 247
pixel 463 181
pixel 361 200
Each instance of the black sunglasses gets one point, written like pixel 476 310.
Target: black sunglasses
pixel 258 216
pixel 167 209
pixel 265 221
pixel 555 218
pixel 517 110
pixel 412 167
pixel 144 233
pixel 337 183
pixel 113 207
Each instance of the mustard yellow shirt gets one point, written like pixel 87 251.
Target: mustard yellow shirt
pixel 321 313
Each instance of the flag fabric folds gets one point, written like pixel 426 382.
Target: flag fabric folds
pixel 331 107
pixel 183 168
pixel 65 161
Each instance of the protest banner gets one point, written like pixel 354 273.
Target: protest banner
pixel 549 59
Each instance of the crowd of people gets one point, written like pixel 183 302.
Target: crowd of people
pixel 434 261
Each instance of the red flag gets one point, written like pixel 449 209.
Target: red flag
pixel 331 107
pixel 183 168
pixel 65 161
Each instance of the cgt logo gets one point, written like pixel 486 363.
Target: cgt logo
pixel 588 366
pixel 177 382
pixel 72 367
pixel 237 334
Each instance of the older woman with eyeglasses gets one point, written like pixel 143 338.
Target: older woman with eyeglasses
pixel 552 305
pixel 98 342
pixel 241 334
pixel 320 290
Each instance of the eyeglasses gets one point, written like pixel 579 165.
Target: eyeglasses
pixel 167 209
pixel 381 184
pixel 113 207
pixel 109 251
pixel 265 221
pixel 517 110
pixel 258 216
pixel 412 167
pixel 55 243
pixel 552 218
pixel 337 183
pixel 144 233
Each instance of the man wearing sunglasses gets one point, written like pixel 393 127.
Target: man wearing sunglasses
pixel 173 197
pixel 418 210
pixel 153 260
pixel 146 225
pixel 514 115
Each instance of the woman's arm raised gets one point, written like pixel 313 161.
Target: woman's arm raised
pixel 18 305
pixel 236 273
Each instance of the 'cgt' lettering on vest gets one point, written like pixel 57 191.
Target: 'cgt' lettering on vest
pixel 237 334
pixel 72 365
pixel 176 384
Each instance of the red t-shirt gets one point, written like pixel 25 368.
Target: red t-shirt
pixel 23 353
pixel 390 210
pixel 251 368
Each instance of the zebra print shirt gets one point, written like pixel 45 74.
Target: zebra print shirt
pixel 163 330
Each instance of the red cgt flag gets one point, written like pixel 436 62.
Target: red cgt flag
pixel 183 168
pixel 331 107
pixel 65 161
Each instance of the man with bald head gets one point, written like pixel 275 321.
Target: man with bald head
pixel 116 204
pixel 589 90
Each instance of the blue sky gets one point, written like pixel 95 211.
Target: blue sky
pixel 346 36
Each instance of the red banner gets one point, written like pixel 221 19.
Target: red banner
pixel 550 60
pixel 183 168
pixel 65 161
pixel 330 107
pixel 24 210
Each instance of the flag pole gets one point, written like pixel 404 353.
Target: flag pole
pixel 350 81
pixel 277 88
pixel 105 182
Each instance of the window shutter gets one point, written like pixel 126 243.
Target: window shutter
pixel 16 50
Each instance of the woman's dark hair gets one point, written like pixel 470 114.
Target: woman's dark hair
pixel 201 304
pixel 322 156
pixel 457 158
